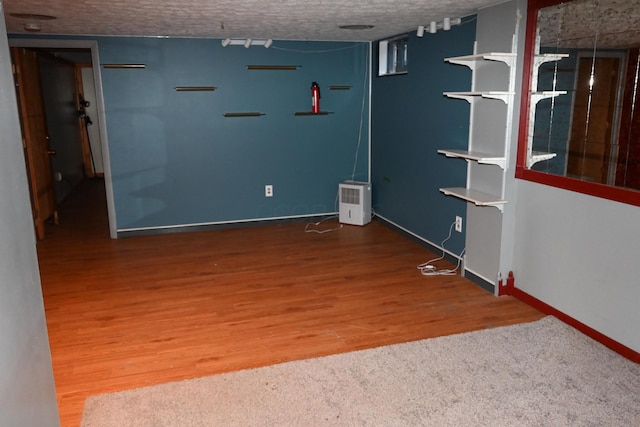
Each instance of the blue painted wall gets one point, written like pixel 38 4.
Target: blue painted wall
pixel 411 120
pixel 175 159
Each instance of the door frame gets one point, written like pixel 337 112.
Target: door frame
pixel 95 59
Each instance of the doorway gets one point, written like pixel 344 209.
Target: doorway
pixel 591 148
pixel 97 117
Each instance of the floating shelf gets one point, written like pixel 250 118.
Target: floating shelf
pixel 309 113
pixel 476 197
pixel 339 87
pixel 503 96
pixel 244 114
pixel 471 60
pixel 273 67
pixel 124 66
pixel 477 156
pixel 195 88
pixel 538 156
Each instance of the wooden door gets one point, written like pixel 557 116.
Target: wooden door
pixel 35 137
pixel 593 116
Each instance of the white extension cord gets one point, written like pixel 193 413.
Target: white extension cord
pixel 428 269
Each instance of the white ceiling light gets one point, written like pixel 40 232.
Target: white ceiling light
pixel 434 26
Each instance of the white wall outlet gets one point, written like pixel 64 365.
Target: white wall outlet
pixel 459 224
pixel 268 190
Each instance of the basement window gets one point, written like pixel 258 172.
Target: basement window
pixel 393 56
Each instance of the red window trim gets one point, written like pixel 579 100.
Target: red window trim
pixel 609 192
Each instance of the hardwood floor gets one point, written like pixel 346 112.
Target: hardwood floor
pixel 138 311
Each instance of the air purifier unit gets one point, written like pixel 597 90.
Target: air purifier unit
pixel 355 202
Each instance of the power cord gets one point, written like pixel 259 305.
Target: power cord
pixel 335 206
pixel 355 161
pixel 428 269
pixel 326 230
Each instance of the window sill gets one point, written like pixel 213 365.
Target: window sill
pixel 618 194
pixel 399 73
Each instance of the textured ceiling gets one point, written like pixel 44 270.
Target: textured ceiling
pixel 591 23
pixel 275 19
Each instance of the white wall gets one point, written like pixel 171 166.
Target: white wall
pixel 580 254
pixel 27 392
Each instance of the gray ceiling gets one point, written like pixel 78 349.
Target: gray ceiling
pixel 275 19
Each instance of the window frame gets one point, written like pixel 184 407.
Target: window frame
pixel 386 69
pixel 619 194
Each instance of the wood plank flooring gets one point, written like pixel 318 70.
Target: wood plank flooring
pixel 138 311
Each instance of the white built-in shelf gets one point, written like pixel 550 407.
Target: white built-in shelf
pixel 536 96
pixel 503 96
pixel 471 60
pixel 476 197
pixel 470 195
pixel 538 156
pixel 539 96
pixel 541 58
pixel 538 60
pixel 476 156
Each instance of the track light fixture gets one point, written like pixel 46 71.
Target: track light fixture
pixel 435 26
pixel 246 42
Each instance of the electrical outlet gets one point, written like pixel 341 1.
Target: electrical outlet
pixel 459 224
pixel 268 190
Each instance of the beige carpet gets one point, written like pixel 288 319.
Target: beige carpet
pixel 535 374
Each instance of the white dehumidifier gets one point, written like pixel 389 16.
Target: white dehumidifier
pixel 355 202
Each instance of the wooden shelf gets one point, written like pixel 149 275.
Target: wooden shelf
pixel 476 156
pixel 195 88
pixel 244 114
pixel 309 113
pixel 122 66
pixel 476 197
pixel 273 67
